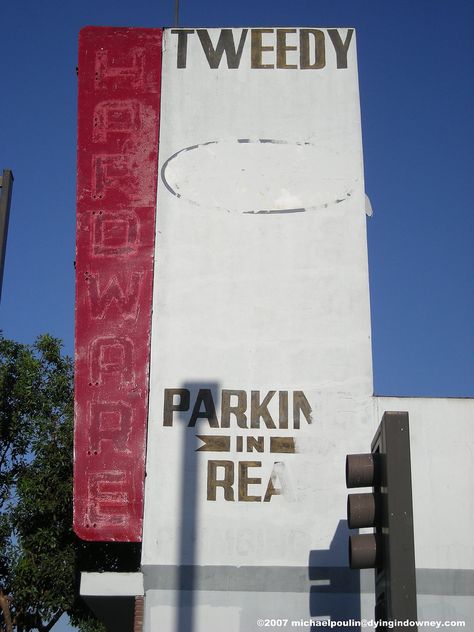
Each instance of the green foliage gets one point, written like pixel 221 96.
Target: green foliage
pixel 40 556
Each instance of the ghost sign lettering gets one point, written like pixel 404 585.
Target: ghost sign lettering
pixel 222 320
pixel 248 412
pixel 269 48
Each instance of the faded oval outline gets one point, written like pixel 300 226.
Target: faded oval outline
pixel 346 195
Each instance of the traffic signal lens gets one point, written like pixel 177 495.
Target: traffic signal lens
pixel 365 551
pixel 360 470
pixel 362 510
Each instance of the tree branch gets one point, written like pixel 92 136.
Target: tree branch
pixel 5 606
pixel 4 453
pixel 54 620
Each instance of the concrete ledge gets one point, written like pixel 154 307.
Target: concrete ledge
pixel 112 585
pixel 112 597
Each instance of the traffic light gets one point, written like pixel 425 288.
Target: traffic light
pixel 389 549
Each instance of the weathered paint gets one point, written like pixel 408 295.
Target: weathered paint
pixel 261 356
pixel 119 97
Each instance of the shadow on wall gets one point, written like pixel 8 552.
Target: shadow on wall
pixel 189 508
pixel 335 593
pixel 335 590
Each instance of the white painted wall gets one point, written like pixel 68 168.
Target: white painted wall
pixel 277 301
pixel 442 444
pixel 255 301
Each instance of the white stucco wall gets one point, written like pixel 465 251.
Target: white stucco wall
pixel 252 301
pixel 442 445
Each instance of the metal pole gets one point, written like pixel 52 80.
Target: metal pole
pixel 6 186
pixel 395 582
pixel 176 13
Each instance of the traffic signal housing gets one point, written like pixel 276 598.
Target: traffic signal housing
pixel 389 549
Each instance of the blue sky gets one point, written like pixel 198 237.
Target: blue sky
pixel 415 66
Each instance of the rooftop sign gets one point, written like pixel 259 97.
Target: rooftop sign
pixel 231 158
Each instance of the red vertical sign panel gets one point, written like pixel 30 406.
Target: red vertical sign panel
pixel 119 99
